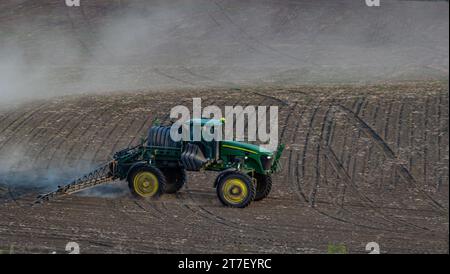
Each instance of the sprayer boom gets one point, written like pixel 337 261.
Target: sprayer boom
pixel 97 177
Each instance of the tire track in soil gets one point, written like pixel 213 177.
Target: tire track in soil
pixel 386 216
pixel 425 140
pixel 118 205
pixel 339 169
pixel 443 131
pixel 301 164
pixel 305 148
pixel 121 137
pixel 290 152
pixel 293 141
pixel 416 139
pixel 24 117
pixel 357 111
pixel 317 177
pixel 93 136
pixel 437 169
pixel 393 138
pixel 324 137
pixel 29 136
pixel 368 169
pixel 64 140
pixel 312 242
pixel 355 105
pixel 163 216
pixel 140 129
pixel 433 161
pixel 283 138
pixel 411 139
pixel 225 222
pixel 29 156
pixel 376 158
pixel 317 163
pixel 56 135
pixel 68 156
pixel 398 142
pixel 9 114
pixel 164 211
pixel 404 172
pixel 385 131
pixel 110 132
pixel 83 237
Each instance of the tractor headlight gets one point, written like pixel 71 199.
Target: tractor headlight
pixel 266 162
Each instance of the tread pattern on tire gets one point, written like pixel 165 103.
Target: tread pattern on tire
pixel 252 188
pixel 175 179
pixel 263 186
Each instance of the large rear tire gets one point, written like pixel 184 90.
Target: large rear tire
pixel 175 179
pixel 147 182
pixel 235 189
pixel 263 186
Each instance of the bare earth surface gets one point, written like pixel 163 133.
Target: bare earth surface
pixel 363 164
pixel 363 103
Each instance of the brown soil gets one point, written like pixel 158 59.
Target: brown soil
pixel 362 164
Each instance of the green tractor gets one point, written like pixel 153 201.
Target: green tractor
pixel 158 165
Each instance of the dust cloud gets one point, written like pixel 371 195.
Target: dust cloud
pixel 48 49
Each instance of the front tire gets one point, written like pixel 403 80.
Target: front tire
pixel 263 186
pixel 147 182
pixel 235 189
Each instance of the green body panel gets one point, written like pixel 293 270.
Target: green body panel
pixel 157 156
pixel 251 155
pixel 250 148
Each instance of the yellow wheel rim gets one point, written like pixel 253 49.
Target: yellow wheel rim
pixel 145 184
pixel 234 191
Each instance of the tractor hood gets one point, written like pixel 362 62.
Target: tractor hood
pixel 250 148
